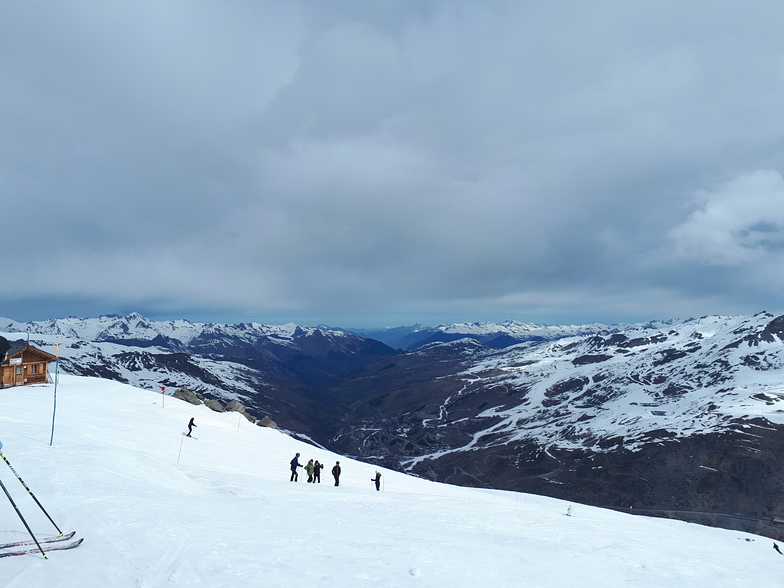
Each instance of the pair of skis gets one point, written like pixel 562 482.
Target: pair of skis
pixel 35 546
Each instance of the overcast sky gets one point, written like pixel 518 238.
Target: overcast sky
pixel 369 163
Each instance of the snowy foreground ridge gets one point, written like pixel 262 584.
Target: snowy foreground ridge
pixel 226 514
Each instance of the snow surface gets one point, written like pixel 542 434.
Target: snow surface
pixel 226 515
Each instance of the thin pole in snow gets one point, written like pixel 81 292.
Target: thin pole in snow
pixel 56 378
pixel 180 452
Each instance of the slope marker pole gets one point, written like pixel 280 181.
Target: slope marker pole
pixel 56 374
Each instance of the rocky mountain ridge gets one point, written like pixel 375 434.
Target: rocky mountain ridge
pixel 272 370
pixel 497 335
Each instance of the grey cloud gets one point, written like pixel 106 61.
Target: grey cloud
pixel 404 159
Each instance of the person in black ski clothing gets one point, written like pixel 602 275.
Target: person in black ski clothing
pixel 294 465
pixel 377 480
pixel 4 347
pixel 317 467
pixel 336 473
pixel 190 427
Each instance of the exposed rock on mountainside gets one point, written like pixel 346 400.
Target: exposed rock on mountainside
pixel 688 418
pixel 672 416
pixel 280 371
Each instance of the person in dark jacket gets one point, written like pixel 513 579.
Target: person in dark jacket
pixel 294 465
pixel 4 347
pixel 190 427
pixel 336 473
pixel 317 467
pixel 377 480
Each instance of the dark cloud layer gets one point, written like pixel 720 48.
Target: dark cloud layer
pixel 366 163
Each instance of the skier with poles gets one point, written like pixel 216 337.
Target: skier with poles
pixel 309 469
pixel 191 424
pixel 294 465
pixel 377 480
pixel 317 467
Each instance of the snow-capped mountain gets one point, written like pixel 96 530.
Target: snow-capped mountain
pixel 273 370
pixel 498 335
pixel 687 417
pixel 138 330
pixel 683 415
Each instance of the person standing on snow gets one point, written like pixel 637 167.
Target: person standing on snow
pixel 309 470
pixel 190 427
pixel 336 473
pixel 377 480
pixel 317 467
pixel 294 465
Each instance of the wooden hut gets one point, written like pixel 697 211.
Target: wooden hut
pixel 23 365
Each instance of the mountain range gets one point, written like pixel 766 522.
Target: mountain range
pixel 682 418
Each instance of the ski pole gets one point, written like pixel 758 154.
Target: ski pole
pixel 30 492
pixel 19 512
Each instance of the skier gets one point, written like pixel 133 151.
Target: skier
pixel 294 465
pixel 336 473
pixel 309 470
pixel 317 467
pixel 190 427
pixel 377 480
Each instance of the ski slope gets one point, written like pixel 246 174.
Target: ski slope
pixel 226 514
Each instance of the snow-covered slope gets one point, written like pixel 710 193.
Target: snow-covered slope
pixel 696 378
pixel 157 509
